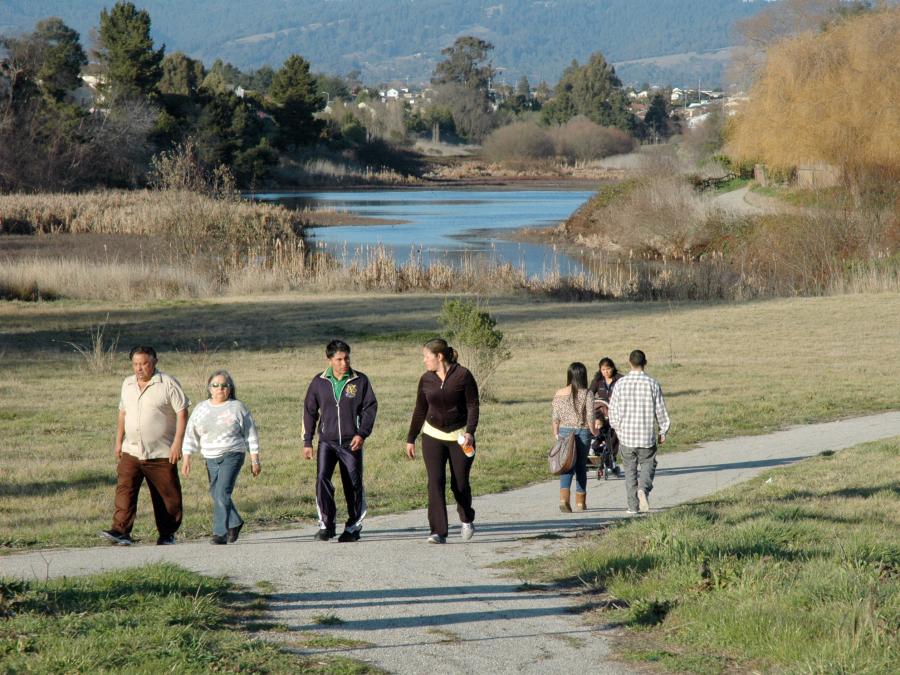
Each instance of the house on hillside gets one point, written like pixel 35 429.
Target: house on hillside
pixel 88 95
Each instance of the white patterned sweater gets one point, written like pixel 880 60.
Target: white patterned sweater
pixel 217 429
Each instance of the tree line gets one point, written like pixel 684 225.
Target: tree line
pixel 147 101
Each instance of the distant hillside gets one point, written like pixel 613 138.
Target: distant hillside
pixel 399 39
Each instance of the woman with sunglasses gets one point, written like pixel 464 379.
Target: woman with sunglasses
pixel 222 429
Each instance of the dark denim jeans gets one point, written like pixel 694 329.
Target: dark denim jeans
pixel 223 472
pixel 579 468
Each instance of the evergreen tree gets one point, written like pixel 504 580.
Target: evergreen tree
pixel 222 77
pixel 523 88
pixel 296 100
pixel 464 64
pixel 61 57
pixel 657 117
pixel 133 66
pixel 181 75
pixel 592 90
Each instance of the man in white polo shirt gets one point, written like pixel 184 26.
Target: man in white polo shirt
pixel 153 412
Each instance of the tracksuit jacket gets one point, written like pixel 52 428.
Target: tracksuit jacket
pixel 339 420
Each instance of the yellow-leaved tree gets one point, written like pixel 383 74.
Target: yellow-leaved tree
pixel 829 95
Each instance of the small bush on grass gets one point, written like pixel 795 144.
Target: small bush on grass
pixel 475 332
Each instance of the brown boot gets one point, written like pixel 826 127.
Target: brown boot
pixel 580 501
pixel 564 501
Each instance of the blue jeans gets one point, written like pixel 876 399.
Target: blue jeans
pixel 223 472
pixel 579 468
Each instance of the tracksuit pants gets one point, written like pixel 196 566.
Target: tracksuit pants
pixel 436 454
pixel 329 455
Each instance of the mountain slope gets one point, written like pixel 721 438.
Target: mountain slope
pixel 397 39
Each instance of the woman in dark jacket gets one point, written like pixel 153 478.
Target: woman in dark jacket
pixel 446 414
pixel 602 386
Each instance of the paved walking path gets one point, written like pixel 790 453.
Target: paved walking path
pixel 442 609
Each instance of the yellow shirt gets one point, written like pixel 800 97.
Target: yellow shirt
pixel 151 415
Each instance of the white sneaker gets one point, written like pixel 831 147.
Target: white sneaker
pixel 644 505
pixel 468 529
pixel 629 512
pixel 437 539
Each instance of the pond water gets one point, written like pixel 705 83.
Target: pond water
pixel 444 225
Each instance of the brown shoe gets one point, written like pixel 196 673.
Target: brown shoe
pixel 580 501
pixel 564 501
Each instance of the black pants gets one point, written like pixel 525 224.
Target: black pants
pixel 436 453
pixel 331 453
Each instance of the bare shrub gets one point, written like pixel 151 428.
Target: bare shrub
pixel 99 356
pixel 199 366
pixel 581 140
pixel 518 142
pixel 180 169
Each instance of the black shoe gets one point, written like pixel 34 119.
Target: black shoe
pixel 346 536
pixel 218 539
pixel 233 533
pixel 165 540
pixel 116 538
pixel 323 535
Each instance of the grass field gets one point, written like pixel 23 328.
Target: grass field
pixel 152 619
pixel 796 571
pixel 726 370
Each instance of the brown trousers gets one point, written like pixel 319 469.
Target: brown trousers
pixel 436 454
pixel 165 492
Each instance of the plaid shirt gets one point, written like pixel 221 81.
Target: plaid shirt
pixel 637 402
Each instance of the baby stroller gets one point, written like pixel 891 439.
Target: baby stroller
pixel 604 446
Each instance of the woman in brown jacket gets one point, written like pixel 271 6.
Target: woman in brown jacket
pixel 446 414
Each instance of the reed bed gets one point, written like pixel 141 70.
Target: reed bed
pixel 144 212
pixel 278 268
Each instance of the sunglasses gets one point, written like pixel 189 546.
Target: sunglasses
pixel 216 385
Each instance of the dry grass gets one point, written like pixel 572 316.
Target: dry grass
pixel 726 370
pixel 658 214
pixel 146 212
pixel 712 277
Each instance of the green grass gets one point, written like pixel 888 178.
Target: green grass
pixel 726 370
pixel 152 619
pixel 310 640
pixel 735 183
pixel 827 198
pixel 796 571
pixel 330 619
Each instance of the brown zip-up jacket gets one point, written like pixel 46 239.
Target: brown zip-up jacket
pixel 448 405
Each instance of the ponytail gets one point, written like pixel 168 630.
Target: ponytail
pixel 440 346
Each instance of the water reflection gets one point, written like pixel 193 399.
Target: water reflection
pixel 444 225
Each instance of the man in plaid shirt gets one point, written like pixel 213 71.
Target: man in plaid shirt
pixel 636 407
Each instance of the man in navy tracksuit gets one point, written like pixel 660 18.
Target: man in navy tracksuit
pixel 342 402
